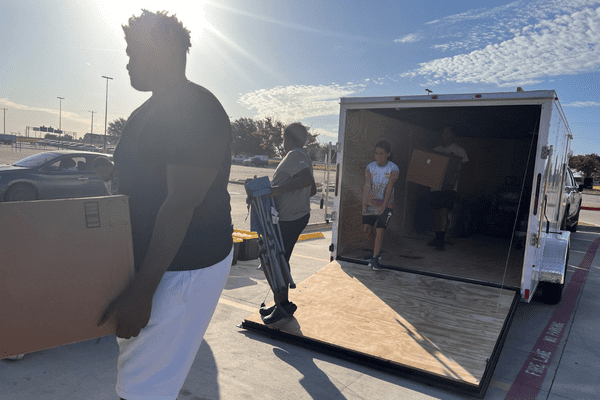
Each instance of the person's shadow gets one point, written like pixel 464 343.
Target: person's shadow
pixel 316 383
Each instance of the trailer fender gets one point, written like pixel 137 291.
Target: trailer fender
pixel 554 256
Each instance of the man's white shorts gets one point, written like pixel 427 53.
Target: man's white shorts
pixel 154 365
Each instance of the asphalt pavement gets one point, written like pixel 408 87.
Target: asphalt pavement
pixel 237 364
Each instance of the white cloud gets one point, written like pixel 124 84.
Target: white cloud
pixel 410 38
pixel 297 102
pixel 565 45
pixel 65 115
pixel 477 28
pixel 581 104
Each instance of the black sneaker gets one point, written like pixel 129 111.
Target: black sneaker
pixel 277 315
pixel 375 263
pixel 264 311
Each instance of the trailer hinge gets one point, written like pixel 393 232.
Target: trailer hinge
pixel 333 215
pixel 546 152
pixel 331 247
pixel 535 240
pixel 338 147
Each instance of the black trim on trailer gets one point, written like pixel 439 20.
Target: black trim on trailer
pixel 433 274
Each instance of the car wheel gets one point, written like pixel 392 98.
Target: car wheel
pixel 573 227
pixel 20 192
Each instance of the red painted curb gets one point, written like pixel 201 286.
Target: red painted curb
pixel 527 384
pixel 590 208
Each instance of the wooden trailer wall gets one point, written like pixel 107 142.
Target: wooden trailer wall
pixel 497 163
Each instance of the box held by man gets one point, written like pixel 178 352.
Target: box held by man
pixel 432 169
pixel 61 264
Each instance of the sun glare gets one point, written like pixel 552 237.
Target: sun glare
pixel 117 13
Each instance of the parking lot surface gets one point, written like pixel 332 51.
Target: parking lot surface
pixel 237 364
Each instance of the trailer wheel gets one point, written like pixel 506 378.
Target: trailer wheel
pixel 552 292
pixel 21 192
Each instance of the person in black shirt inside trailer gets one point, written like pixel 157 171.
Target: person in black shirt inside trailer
pixel 173 161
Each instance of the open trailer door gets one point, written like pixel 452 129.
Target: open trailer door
pixel 443 332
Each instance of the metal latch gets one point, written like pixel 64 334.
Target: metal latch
pixel 333 215
pixel 535 240
pixel 546 152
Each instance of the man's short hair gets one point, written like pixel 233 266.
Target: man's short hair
pixel 161 30
pixel 297 131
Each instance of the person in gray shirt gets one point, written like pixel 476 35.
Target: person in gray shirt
pixel 292 186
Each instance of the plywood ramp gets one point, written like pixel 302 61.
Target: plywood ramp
pixel 444 328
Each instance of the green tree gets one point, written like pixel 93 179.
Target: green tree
pixel 588 164
pixel 244 137
pixel 265 136
pixel 115 128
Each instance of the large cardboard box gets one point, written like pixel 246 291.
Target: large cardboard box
pixel 61 263
pixel 435 170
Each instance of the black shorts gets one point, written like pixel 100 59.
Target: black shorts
pixel 442 199
pixel 382 219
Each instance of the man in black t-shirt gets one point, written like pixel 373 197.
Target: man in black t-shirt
pixel 173 161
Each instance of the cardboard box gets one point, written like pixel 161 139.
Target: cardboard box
pixel 435 170
pixel 61 264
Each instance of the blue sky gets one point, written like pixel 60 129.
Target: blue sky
pixel 293 60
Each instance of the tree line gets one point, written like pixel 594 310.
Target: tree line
pixel 588 164
pixel 251 137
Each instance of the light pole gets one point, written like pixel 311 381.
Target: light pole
pixel 5 120
pixel 106 110
pixel 60 115
pixel 92 128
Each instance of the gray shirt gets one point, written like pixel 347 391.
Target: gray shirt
pixel 296 204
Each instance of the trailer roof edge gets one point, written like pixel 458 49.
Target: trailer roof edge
pixel 534 94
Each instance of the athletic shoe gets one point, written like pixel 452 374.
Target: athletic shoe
pixel 277 315
pixel 264 311
pixel 375 263
pixel 368 256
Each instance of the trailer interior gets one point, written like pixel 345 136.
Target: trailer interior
pixel 487 230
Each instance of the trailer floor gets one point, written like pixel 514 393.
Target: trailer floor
pixel 479 258
pixel 416 323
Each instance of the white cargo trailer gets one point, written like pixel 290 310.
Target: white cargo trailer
pixel 441 316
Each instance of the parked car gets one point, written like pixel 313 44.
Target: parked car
pixel 239 159
pixel 51 175
pixel 573 197
pixel 257 161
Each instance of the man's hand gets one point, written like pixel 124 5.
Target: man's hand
pixel 380 210
pixel 131 311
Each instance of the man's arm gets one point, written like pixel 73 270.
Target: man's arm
pixel 388 191
pixel 299 181
pixel 187 187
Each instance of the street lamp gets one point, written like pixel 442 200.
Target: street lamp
pixel 5 119
pixel 106 110
pixel 92 128
pixel 60 115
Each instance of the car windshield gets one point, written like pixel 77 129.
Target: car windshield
pixel 35 160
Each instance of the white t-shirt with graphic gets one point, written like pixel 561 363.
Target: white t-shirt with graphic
pixel 380 177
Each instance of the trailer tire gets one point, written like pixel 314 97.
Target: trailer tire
pixel 552 292
pixel 20 192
